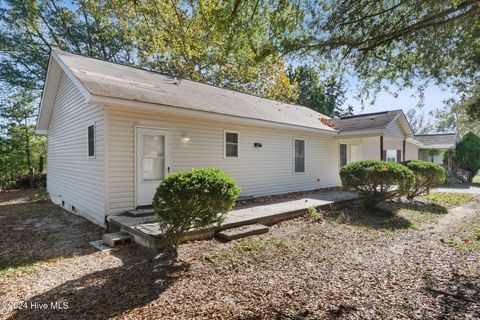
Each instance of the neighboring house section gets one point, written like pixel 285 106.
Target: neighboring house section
pixel 376 136
pixel 115 131
pixel 440 142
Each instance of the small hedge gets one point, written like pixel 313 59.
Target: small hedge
pixel 427 176
pixel 376 181
pixel 192 199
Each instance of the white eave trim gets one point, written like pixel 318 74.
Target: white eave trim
pixel 360 133
pixel 118 102
pixel 438 146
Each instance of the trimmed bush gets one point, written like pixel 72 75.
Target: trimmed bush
pixel 427 175
pixel 375 181
pixel 192 199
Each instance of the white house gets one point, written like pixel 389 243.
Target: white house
pixel 115 131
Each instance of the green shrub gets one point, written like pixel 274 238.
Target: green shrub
pixel 376 181
pixel 467 153
pixel 427 175
pixel 192 199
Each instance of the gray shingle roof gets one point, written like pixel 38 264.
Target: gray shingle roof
pixel 441 139
pixel 119 81
pixel 369 121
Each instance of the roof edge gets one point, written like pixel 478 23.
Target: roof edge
pixel 106 101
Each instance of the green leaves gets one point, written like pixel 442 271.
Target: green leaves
pixel 467 153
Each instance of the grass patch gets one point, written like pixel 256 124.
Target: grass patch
pixel 20 270
pixel 476 179
pixel 255 244
pixel 9 268
pixel 449 199
pixel 208 257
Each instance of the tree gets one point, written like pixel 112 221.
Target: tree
pixel 467 153
pixel 393 41
pixel 418 122
pixel 432 153
pixel 17 112
pixel 216 42
pixel 326 98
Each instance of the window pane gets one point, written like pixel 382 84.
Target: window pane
pixel 299 164
pixel 299 156
pixel 299 148
pixel 231 137
pixel 343 155
pixel 392 155
pixel 91 141
pixel 231 150
pixel 153 168
pixel 91 148
pixel 153 145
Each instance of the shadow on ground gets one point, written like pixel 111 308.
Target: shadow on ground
pixel 34 231
pixel 385 216
pixel 460 295
pixel 110 292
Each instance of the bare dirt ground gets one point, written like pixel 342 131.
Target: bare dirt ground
pixel 423 263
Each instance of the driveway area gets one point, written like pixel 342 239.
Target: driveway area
pixel 461 188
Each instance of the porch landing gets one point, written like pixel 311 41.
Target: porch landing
pixel 147 232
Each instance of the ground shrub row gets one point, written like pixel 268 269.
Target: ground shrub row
pixel 377 181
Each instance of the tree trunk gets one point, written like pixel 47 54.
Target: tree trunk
pixel 28 154
pixel 40 164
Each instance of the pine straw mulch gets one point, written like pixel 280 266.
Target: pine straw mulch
pixel 344 266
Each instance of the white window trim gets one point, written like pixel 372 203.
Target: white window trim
pixel 386 154
pixel 94 140
pixel 304 156
pixel 225 144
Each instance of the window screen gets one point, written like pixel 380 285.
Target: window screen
pixel 299 156
pixel 343 155
pixel 231 144
pixel 91 141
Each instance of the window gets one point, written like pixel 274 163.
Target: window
pixel 343 155
pixel 231 144
pixel 392 155
pixel 299 155
pixel 91 141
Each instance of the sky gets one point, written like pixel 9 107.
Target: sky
pixel 407 99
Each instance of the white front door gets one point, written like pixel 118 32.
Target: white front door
pixel 153 150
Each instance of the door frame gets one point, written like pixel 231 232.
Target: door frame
pixel 168 154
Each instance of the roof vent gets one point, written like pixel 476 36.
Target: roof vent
pixel 371 118
pixel 177 81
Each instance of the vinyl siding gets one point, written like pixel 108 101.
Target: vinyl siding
pixel 258 171
pixel 412 152
pixel 395 130
pixel 72 176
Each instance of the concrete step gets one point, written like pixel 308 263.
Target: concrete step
pixel 115 238
pixel 140 212
pixel 242 232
